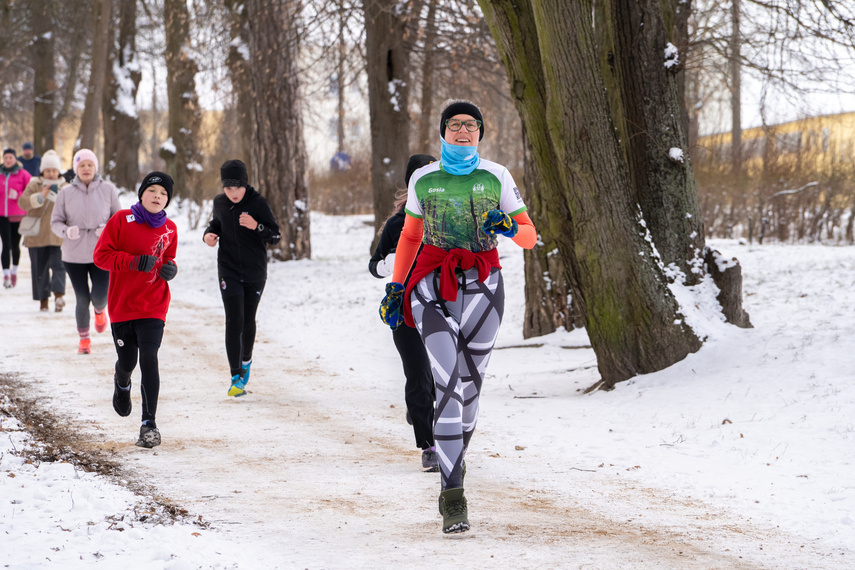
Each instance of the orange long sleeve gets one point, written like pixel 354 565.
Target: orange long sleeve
pixel 408 247
pixel 526 237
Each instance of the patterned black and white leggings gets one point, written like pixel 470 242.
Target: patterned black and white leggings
pixel 459 339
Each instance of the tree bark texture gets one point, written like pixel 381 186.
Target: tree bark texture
pixel 44 75
pixel 388 69
pixel 278 150
pixel 122 137
pixel 631 316
pixel 549 299
pixel 653 136
pixel 184 164
pixel 89 123
pixel 238 65
pixel 427 130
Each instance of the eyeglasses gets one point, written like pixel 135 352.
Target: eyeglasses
pixel 455 125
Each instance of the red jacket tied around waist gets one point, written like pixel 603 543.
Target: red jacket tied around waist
pixel 432 257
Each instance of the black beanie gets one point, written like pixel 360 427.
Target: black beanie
pixel 10 151
pixel 233 173
pixel 416 161
pixel 159 178
pixel 461 108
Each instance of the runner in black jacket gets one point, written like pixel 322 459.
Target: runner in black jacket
pixel 418 389
pixel 242 224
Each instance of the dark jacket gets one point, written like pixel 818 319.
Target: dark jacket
pixel 32 165
pixel 242 253
pixel 389 243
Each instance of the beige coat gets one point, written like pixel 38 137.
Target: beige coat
pixel 37 205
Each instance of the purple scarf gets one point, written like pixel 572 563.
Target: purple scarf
pixel 142 215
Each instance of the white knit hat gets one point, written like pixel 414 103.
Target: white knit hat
pixel 51 160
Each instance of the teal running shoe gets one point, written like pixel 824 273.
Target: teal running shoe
pixel 244 372
pixel 238 386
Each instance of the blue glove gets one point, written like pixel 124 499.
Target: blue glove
pixel 391 306
pixel 498 222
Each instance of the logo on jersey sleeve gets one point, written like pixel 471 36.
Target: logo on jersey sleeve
pixel 130 218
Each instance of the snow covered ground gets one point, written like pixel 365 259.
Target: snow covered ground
pixel 741 456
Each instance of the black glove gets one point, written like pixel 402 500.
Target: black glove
pixel 168 270
pixel 144 263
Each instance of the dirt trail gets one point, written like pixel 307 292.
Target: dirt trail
pixel 298 466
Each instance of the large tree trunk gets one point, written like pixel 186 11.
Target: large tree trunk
pixel 652 112
pixel 182 156
pixel 388 69
pixel 549 299
pixel 238 64
pixel 122 136
pixel 631 316
pixel 88 138
pixel 278 150
pixel 44 76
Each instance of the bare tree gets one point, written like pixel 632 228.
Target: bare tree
pixel 122 137
pixel 388 69
pixel 89 123
pixel 181 152
pixel 278 150
pixel 44 75
pixel 631 316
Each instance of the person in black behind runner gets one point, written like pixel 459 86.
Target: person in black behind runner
pixel 419 389
pixel 242 224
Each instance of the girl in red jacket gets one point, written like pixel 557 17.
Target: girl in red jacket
pixel 138 248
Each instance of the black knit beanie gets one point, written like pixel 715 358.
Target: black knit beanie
pixel 416 161
pixel 159 178
pixel 10 151
pixel 233 173
pixel 460 108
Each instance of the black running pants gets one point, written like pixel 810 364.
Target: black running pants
pixel 140 340
pixel 240 301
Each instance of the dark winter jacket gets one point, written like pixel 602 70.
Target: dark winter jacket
pixel 242 253
pixel 388 243
pixel 32 165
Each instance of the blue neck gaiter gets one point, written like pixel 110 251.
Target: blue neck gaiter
pixel 459 160
pixel 141 215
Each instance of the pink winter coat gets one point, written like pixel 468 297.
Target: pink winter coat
pixel 12 185
pixel 88 208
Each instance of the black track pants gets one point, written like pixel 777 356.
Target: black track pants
pixel 47 270
pixel 240 301
pixel 418 390
pixel 140 339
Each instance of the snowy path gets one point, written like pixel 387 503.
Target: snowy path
pixel 315 467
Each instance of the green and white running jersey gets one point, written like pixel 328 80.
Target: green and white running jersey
pixel 451 205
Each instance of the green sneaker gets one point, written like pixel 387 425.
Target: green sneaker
pixel 452 505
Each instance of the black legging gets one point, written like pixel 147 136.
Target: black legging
pixel 80 274
pixel 240 301
pixel 11 242
pixel 141 339
pixel 419 389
